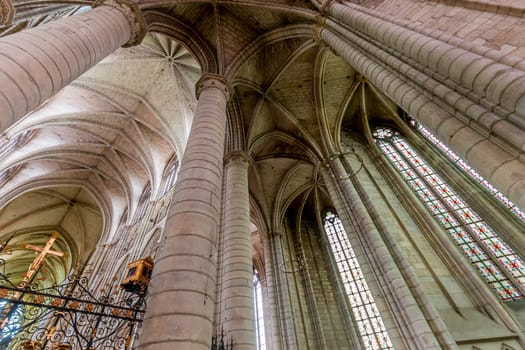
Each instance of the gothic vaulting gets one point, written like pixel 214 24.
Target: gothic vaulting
pixel 301 174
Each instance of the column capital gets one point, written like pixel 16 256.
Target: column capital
pixel 132 11
pixel 317 28
pixel 7 12
pixel 217 81
pixel 236 157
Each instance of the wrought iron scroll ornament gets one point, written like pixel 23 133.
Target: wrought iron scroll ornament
pixel 67 316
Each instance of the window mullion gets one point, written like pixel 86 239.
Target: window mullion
pixel 365 313
pixel 453 212
pixel 494 260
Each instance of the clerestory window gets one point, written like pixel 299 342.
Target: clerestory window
pixel 170 174
pixel 468 169
pixel 143 202
pixel 11 317
pixel 366 315
pixel 496 262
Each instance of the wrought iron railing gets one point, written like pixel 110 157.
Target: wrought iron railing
pixel 67 316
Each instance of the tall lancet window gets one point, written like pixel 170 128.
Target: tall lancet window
pixel 468 169
pixel 13 324
pixel 170 174
pixel 143 202
pixel 259 315
pixel 366 315
pixel 495 261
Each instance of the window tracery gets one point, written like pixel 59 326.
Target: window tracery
pixel 495 261
pixel 366 315
pixel 170 174
pixel 468 169
pixel 143 202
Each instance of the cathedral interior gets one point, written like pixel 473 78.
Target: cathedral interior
pixel 303 174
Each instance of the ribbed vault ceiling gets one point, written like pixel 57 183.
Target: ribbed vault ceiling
pixel 111 132
pixel 293 107
pixel 33 217
pixel 133 110
pixel 292 97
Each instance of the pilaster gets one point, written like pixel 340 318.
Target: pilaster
pixel 480 78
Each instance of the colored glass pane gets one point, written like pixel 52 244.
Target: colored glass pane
pixel 13 324
pixel 366 315
pixel 495 261
pixel 463 165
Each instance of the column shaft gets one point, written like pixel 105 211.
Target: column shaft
pixel 181 304
pixel 497 163
pixel 282 289
pixel 483 79
pixel 427 308
pixel 271 301
pixel 416 326
pixel 38 62
pixel 462 107
pixel 237 304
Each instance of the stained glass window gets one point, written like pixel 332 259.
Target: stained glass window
pixel 170 174
pixel 11 321
pixel 495 261
pixel 259 315
pixel 143 202
pixel 463 165
pixel 366 315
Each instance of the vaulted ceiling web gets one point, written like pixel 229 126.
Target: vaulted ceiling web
pixel 294 105
pixel 33 217
pixel 112 131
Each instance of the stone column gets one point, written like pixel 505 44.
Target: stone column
pixel 271 301
pixel 495 159
pixel 38 62
pixel 412 321
pixel 181 303
pixel 497 85
pixel 237 304
pixel 7 12
pixel 435 321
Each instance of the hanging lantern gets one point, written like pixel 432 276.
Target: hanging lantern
pixel 138 276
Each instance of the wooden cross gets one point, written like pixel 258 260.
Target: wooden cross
pixel 39 260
